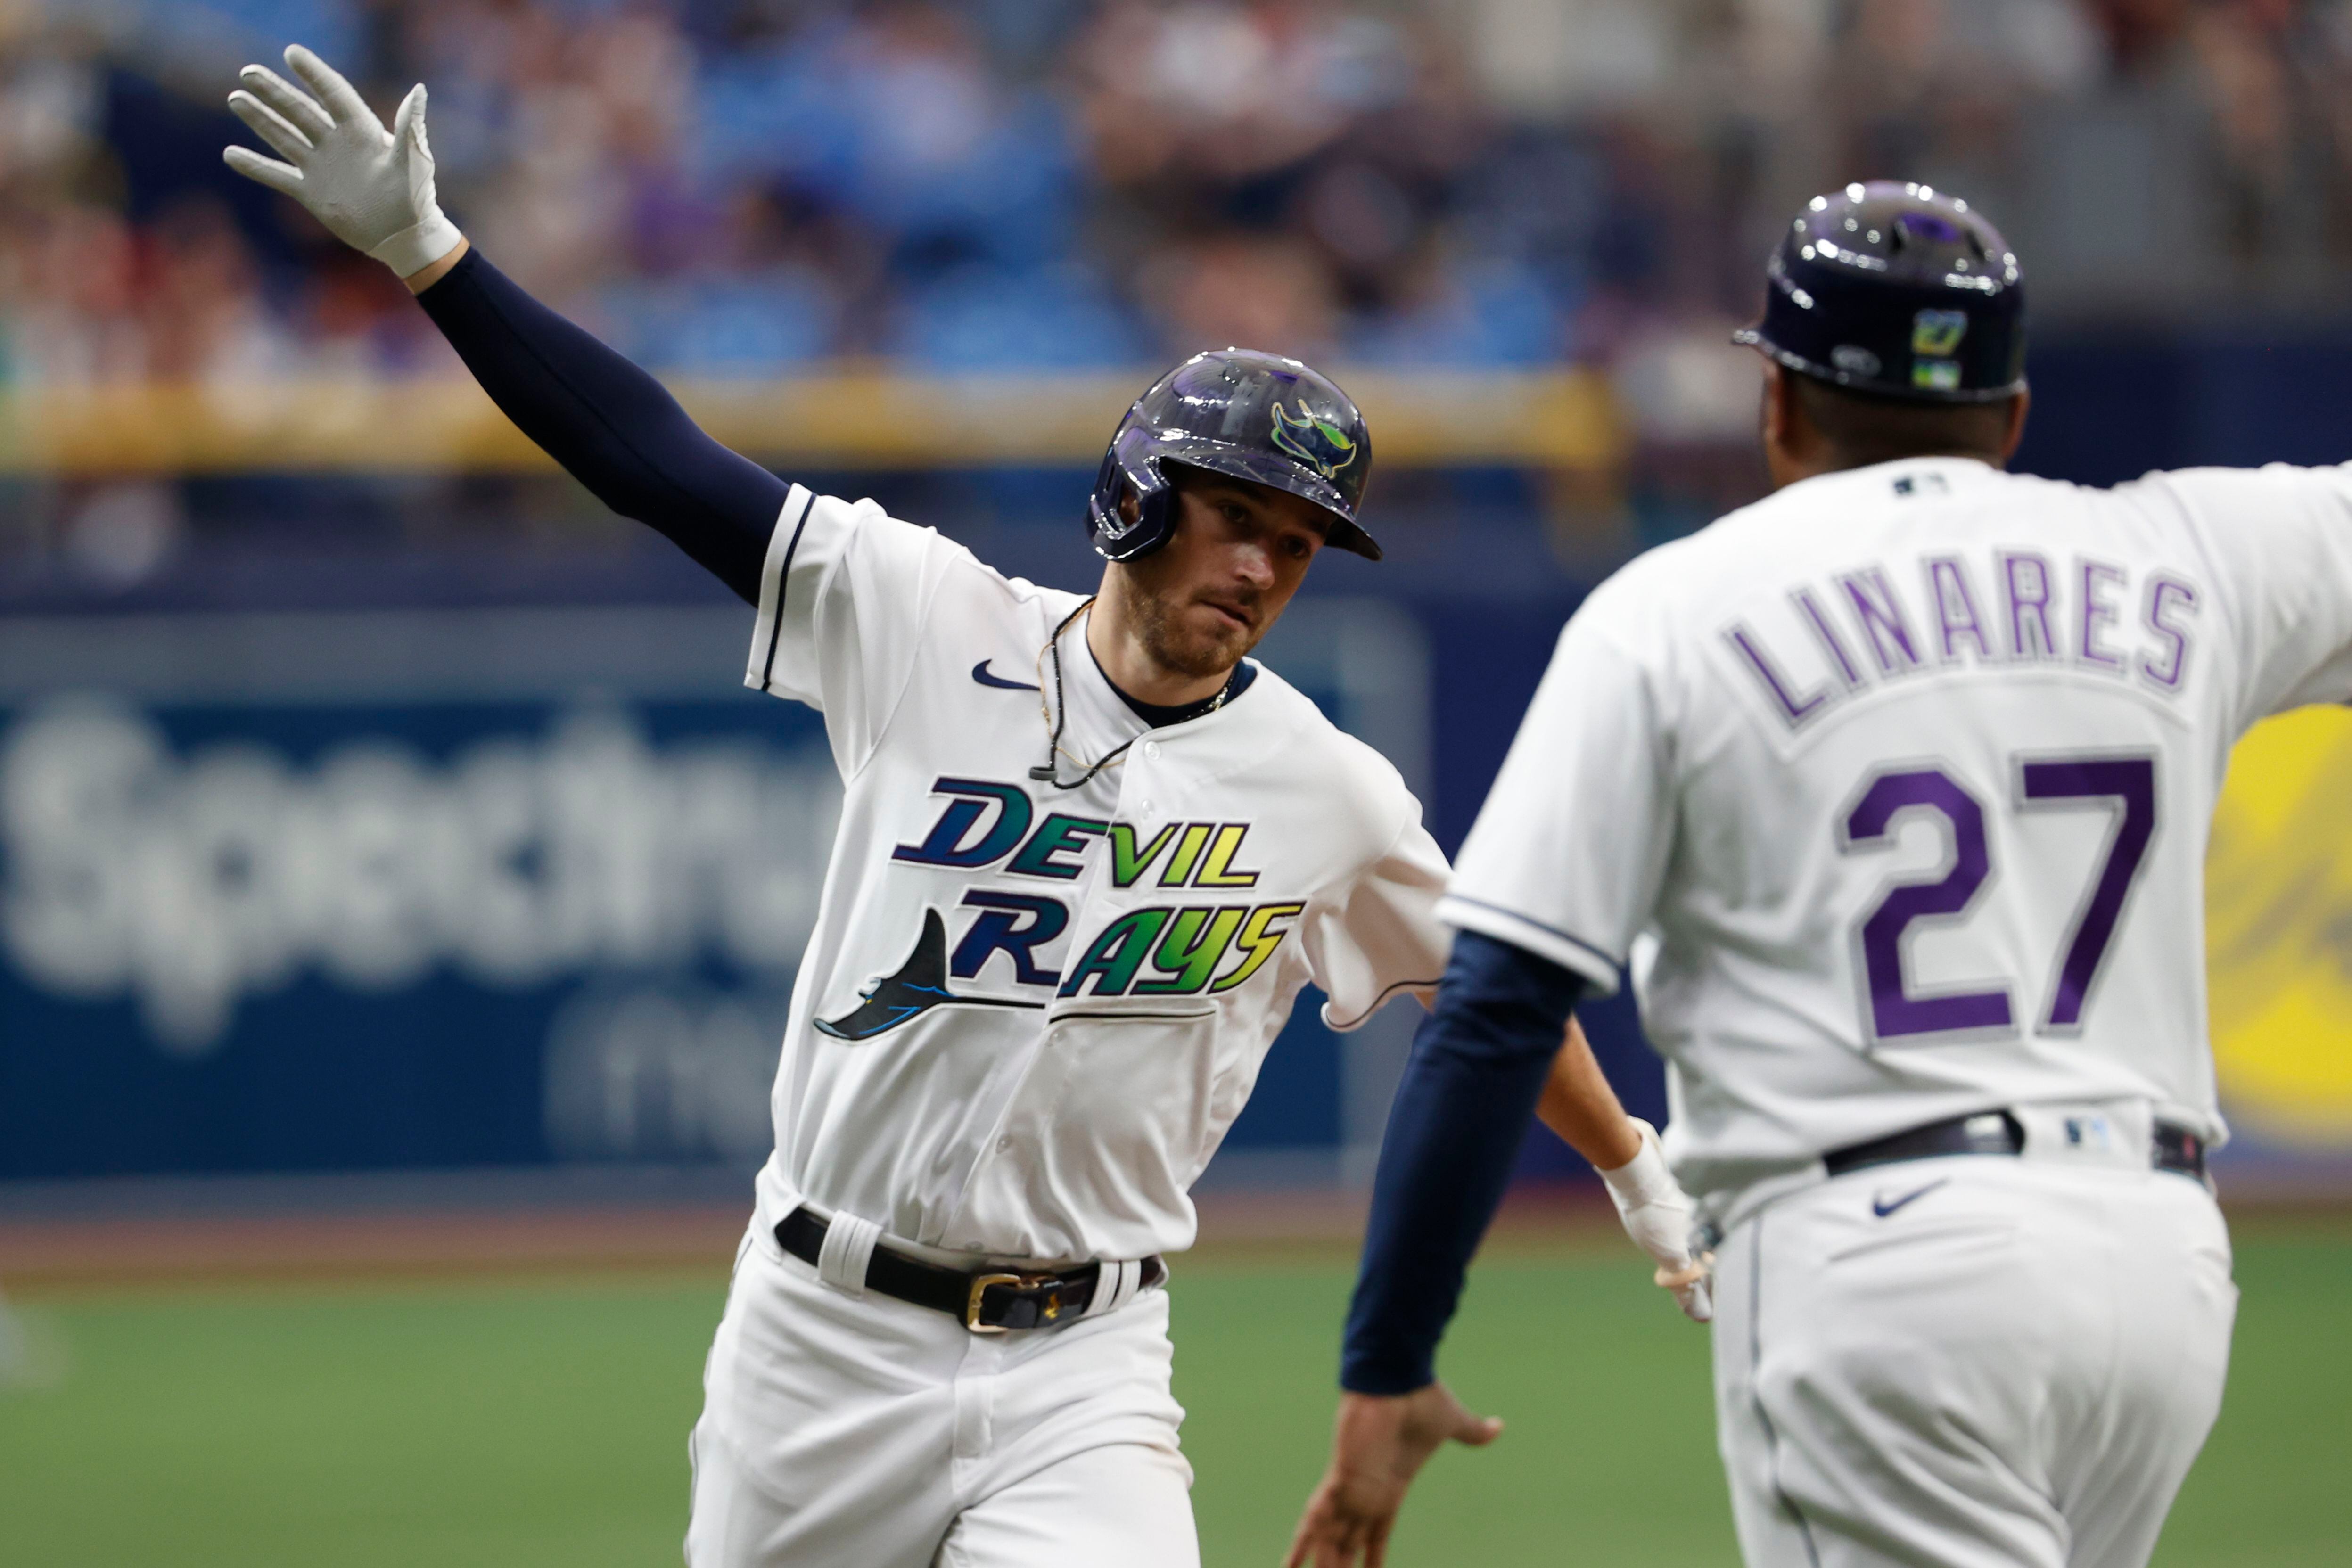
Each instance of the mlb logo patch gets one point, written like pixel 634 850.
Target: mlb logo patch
pixel 1854 359
pixel 1936 334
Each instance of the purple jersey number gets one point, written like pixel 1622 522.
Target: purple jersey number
pixel 1894 1010
pixel 2131 781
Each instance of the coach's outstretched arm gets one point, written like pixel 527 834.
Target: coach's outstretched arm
pixel 612 426
pixel 1489 1055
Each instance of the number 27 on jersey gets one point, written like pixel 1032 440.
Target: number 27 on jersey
pixel 2120 786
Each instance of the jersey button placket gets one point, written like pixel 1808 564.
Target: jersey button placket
pixel 1139 791
pixel 1139 795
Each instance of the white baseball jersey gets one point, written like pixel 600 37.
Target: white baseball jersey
pixel 1027 1013
pixel 1895 788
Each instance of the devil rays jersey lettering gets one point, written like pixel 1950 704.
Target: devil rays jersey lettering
pixel 1027 1015
pixel 1893 788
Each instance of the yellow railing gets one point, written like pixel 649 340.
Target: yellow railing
pixel 846 418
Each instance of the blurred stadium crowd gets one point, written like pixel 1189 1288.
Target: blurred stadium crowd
pixel 752 189
pixel 738 187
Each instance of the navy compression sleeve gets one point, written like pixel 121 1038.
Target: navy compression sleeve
pixel 1470 1087
pixel 611 425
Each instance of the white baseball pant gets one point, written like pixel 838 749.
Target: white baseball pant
pixel 841 1432
pixel 1971 1362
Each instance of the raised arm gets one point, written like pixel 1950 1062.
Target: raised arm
pixel 613 427
pixel 610 424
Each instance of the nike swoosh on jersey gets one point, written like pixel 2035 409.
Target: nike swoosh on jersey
pixel 980 673
pixel 1881 1207
pixel 920 984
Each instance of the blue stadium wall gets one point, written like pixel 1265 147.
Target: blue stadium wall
pixel 372 861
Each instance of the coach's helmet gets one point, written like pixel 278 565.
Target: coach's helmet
pixel 1899 291
pixel 1243 415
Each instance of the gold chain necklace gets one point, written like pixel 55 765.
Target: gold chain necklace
pixel 1057 716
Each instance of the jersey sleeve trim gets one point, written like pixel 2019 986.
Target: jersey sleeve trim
pixel 1572 953
pixel 1346 1026
pixel 775 575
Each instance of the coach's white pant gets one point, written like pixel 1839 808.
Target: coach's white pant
pixel 841 1433
pixel 1970 1362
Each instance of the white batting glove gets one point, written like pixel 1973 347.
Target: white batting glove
pixel 1657 1215
pixel 372 187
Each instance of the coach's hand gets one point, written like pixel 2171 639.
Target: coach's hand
pixel 372 187
pixel 1378 1446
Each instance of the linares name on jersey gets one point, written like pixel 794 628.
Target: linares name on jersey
pixel 1991 609
pixel 1028 1014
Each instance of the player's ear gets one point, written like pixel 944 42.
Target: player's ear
pixel 1776 406
pixel 1793 445
pixel 2019 404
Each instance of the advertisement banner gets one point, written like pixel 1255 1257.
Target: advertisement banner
pixel 466 888
pixel 2279 943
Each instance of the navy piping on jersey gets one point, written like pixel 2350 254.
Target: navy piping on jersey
pixel 1756 1390
pixel 784 586
pixel 1576 942
pixel 1386 993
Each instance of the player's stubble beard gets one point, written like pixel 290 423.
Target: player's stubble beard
pixel 1195 643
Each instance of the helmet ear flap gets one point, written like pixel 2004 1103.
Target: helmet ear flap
pixel 1133 509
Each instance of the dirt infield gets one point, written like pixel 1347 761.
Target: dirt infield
pixel 45 1254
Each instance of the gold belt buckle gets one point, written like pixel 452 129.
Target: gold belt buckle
pixel 979 1283
pixel 1051 1311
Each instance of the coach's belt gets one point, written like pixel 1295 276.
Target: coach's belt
pixel 985 1300
pixel 2174 1148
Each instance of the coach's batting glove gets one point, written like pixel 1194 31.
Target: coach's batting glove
pixel 372 187
pixel 1657 1215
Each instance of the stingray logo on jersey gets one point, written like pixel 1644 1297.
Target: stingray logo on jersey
pixel 1313 441
pixel 916 986
pixel 1170 949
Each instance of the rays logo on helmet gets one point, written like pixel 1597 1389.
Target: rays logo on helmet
pixel 1937 333
pixel 1317 443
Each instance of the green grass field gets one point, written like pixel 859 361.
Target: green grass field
pixel 512 1424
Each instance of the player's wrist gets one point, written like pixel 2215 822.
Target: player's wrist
pixel 1397 1373
pixel 1644 1178
pixel 418 249
pixel 439 267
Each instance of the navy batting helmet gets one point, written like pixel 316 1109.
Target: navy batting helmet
pixel 1897 292
pixel 1243 415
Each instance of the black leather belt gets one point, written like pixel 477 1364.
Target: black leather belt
pixel 2175 1148
pixel 985 1301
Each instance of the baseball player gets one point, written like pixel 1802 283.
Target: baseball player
pixel 1893 790
pixel 1088 855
